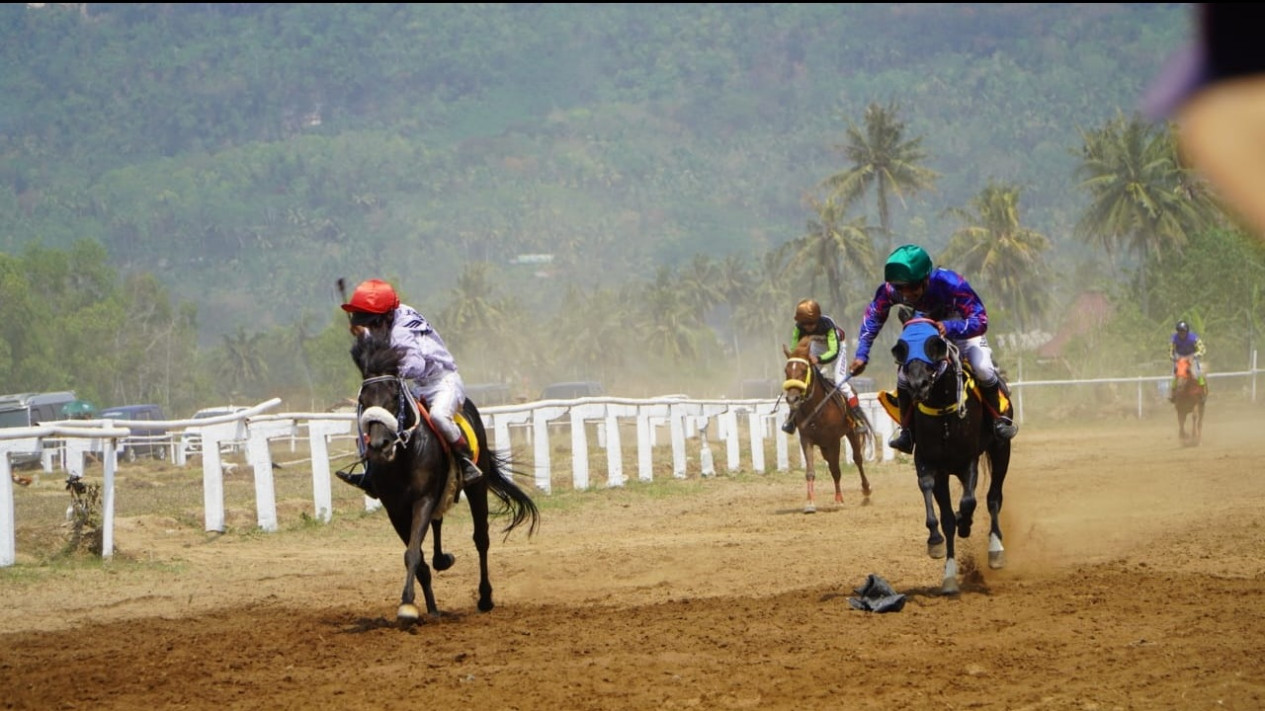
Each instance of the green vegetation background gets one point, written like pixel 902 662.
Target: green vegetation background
pixel 182 184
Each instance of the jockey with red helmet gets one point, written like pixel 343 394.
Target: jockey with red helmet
pixel 1185 342
pixel 827 348
pixel 946 297
pixel 375 308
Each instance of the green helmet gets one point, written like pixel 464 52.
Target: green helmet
pixel 907 264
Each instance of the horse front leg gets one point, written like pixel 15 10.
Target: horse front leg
pixel 830 452
pixel 440 560
pixel 926 482
pixel 810 476
pixel 944 498
pixel 415 568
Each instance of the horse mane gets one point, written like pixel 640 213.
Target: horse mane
pixel 375 355
pixel 802 347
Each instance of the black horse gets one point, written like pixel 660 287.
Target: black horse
pixel 951 432
pixel 414 478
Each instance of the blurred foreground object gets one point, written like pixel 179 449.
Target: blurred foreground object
pixel 1215 91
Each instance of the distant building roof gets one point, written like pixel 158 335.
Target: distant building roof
pixel 1090 311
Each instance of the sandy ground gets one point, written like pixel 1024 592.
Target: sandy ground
pixel 1136 580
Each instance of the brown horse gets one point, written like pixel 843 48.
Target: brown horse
pixel 1189 397
pixel 821 416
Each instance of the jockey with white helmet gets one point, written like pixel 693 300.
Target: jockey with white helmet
pixel 375 308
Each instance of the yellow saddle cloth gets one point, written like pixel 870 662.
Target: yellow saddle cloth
pixel 891 403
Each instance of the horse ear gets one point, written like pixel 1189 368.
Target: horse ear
pixel 785 351
pixel 936 348
pixel 358 355
pixel 900 351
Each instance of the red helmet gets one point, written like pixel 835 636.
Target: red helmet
pixel 372 297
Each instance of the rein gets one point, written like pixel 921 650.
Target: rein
pixel 965 383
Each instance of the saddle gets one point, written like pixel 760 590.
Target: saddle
pixel 891 404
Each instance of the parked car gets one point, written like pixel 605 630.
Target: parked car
pixel 191 442
pixel 29 410
pixel 489 394
pixel 143 442
pixel 572 390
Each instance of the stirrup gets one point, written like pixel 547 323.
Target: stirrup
pixel 360 480
pixel 858 423
pixel 470 472
pixel 903 442
pixel 1005 428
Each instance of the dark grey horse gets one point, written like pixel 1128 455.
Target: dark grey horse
pixel 951 431
pixel 412 474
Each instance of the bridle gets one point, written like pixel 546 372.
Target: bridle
pixel 964 383
pixel 406 410
pixel 805 385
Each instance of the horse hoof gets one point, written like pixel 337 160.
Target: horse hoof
pixel 408 612
pixel 443 562
pixel 936 550
pixel 810 508
pixel 950 586
pixel 997 559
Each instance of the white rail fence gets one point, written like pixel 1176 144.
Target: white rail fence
pixel 730 422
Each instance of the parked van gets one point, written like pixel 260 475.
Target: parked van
pixel 143 442
pixel 489 394
pixel 29 410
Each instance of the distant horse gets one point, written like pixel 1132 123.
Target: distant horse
pixel 414 477
pixel 1189 398
pixel 951 432
pixel 822 418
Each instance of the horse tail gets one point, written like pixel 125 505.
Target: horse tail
pixel 514 501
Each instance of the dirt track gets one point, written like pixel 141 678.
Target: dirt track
pixel 1136 580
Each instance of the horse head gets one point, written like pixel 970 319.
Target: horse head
pixel 386 411
pixel 798 373
pixel 924 355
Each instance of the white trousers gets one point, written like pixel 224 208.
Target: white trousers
pixel 444 396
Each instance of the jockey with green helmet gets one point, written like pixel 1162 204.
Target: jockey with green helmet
pixel 375 309
pixel 827 349
pixel 946 297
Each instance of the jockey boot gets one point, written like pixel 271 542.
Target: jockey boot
pixel 470 472
pixel 789 426
pixel 904 442
pixel 361 480
pixel 1172 390
pixel 858 416
pixel 1003 426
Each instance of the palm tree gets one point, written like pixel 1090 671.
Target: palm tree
pixel 993 246
pixel 884 160
pixel 1142 199
pixel 241 364
pixel 829 247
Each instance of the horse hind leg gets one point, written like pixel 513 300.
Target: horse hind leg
pixel 477 498
pixel 857 442
pixel 440 560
